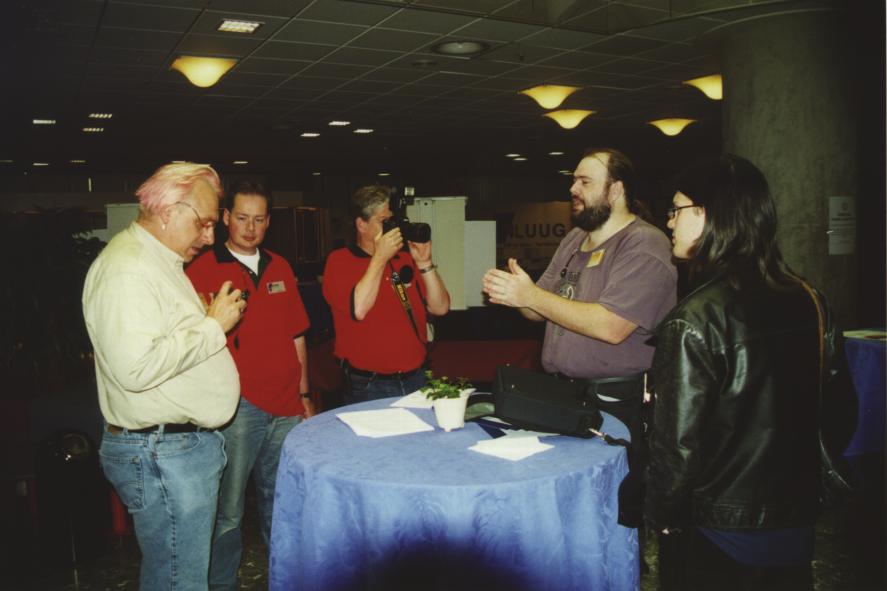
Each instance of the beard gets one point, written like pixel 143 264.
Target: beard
pixel 592 217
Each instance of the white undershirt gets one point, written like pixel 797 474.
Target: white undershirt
pixel 250 260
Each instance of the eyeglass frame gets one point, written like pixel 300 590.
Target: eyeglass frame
pixel 672 212
pixel 204 225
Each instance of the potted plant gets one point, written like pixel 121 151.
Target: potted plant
pixel 449 398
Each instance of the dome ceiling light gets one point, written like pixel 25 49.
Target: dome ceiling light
pixel 712 86
pixel 671 127
pixel 203 71
pixel 568 118
pixel 549 96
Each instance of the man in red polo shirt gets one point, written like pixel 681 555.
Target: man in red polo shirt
pixel 380 329
pixel 268 347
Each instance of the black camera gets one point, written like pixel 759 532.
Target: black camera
pixel 418 232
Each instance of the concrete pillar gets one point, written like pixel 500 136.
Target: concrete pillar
pixel 790 109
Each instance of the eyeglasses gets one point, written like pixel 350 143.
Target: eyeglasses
pixel 204 224
pixel 671 212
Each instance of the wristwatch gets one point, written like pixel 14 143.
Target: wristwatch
pixel 428 269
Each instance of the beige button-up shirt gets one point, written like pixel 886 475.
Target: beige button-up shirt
pixel 159 358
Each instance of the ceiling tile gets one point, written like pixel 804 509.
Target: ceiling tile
pixel 604 79
pixel 216 45
pixel 678 30
pixel 361 57
pixel 496 30
pixel 425 21
pixel 373 86
pixel 282 8
pixel 271 66
pixel 138 57
pixel 342 71
pixel 578 60
pixel 520 53
pixel 156 18
pixel 339 11
pixel 394 40
pixel 623 45
pixel 316 32
pixel 292 51
pixel 401 75
pixel 629 65
pixel 562 38
pixel 136 39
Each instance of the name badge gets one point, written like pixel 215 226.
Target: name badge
pixel 276 287
pixel 596 257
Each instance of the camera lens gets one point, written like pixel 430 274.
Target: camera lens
pixel 418 232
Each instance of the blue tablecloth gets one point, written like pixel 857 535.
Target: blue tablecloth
pixel 866 358
pixel 422 511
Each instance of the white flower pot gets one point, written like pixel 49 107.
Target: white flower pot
pixel 450 412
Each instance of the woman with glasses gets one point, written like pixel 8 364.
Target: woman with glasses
pixel 734 471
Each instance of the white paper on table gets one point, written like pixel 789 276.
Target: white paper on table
pixel 384 423
pixel 415 400
pixel 511 448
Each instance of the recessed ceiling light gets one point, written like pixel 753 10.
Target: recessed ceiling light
pixel 512 155
pixel 339 123
pixel 384 174
pixel 363 130
pixel 76 161
pixel 41 163
pixel 310 134
pixel 316 173
pixel 520 159
pixel 93 129
pixel 44 121
pixel 460 47
pixel 101 115
pixel 241 162
pixel 235 26
pixel 555 153
pixel 5 161
pixel 566 172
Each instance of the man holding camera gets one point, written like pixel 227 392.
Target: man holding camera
pixel 379 296
pixel 268 347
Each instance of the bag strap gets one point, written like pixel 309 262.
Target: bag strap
pixel 401 291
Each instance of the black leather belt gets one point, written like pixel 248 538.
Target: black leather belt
pixel 375 375
pixel 168 428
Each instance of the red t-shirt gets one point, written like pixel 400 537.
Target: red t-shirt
pixel 384 341
pixel 262 344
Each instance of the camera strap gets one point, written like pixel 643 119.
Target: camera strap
pixel 401 291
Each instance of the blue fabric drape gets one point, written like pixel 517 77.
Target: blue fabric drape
pixel 422 511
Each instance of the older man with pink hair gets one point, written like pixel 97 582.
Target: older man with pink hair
pixel 165 378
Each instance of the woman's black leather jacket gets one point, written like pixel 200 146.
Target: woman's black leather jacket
pixel 735 429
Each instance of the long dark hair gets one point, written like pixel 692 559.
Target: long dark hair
pixel 739 236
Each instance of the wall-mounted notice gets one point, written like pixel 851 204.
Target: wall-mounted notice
pixel 841 225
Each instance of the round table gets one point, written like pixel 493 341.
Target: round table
pixel 422 511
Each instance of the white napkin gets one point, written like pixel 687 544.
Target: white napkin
pixel 415 400
pixel 384 423
pixel 511 448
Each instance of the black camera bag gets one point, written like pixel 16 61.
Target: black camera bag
pixel 541 402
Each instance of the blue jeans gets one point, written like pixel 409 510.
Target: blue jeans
pixel 252 441
pixel 361 388
pixel 170 484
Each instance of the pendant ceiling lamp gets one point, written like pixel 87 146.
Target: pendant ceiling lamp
pixel 549 96
pixel 203 71
pixel 671 126
pixel 568 118
pixel 712 86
